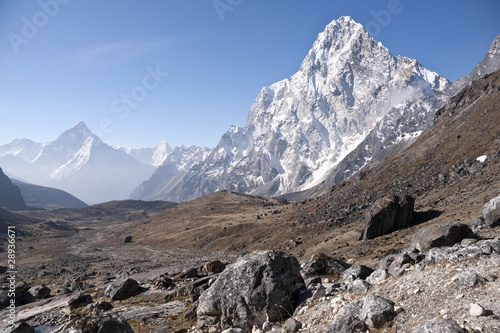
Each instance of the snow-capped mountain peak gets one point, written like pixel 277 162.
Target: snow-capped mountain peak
pixel 301 127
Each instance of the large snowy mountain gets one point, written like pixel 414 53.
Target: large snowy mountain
pixel 349 87
pixel 80 163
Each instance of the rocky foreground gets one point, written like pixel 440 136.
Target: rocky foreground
pixel 446 280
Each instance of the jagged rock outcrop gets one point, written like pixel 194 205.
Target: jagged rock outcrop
pixel 387 215
pixel 261 286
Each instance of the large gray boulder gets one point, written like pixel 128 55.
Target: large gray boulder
pixel 121 290
pixel 443 234
pixel 491 212
pixel 438 325
pixel 387 215
pixel 261 286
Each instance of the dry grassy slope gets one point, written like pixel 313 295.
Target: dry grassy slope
pixel 227 221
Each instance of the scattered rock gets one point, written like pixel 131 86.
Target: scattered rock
pixel 213 267
pixel 292 325
pixel 20 298
pixel 438 325
pixel 373 311
pixel 477 310
pixel 261 286
pixel 189 273
pixel 347 319
pixel 79 301
pixel 358 287
pixel 233 330
pixel 322 264
pixel 386 262
pixel 128 239
pixel 491 212
pixel 163 281
pixel 477 222
pixel 387 215
pixel 122 290
pixel 443 234
pixel 320 292
pixel 98 325
pixel 22 286
pixel 357 272
pixel 396 267
pixel 469 279
pixel 100 306
pixel 378 276
pixel 377 311
pixel 313 282
pixel 40 292
pixel 468 241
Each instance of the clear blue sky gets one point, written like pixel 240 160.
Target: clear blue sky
pixel 77 61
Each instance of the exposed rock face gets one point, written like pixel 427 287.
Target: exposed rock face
pixel 491 212
pixel 122 289
pixel 259 287
pixel 444 234
pixel 387 215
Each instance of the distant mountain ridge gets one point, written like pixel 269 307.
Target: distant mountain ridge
pixel 10 194
pixel 46 197
pixel 80 163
